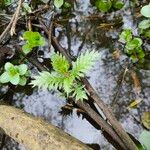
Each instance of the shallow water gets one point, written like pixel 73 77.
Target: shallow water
pixel 103 76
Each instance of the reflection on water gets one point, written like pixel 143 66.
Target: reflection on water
pixel 85 34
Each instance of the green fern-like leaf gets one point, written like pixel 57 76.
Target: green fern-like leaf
pixel 67 84
pixel 60 63
pixel 46 80
pixel 79 93
pixel 84 63
pixel 65 79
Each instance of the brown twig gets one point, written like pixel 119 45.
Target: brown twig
pixel 86 83
pixel 12 24
pixel 106 110
pixel 7 29
pixel 103 124
pixel 16 15
pixel 119 87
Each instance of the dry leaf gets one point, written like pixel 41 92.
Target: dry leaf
pixel 134 103
pixel 105 25
pixel 136 82
pixel 146 119
pixel 116 54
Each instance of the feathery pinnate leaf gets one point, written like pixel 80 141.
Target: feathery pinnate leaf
pixel 60 63
pixel 46 80
pixel 63 78
pixel 84 63
pixel 79 93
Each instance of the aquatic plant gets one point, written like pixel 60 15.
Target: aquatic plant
pixel 16 75
pixel 33 39
pixel 106 5
pixel 65 77
pixel 58 3
pixel 133 45
pixel 144 25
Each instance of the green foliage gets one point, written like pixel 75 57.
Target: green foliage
pixel 14 74
pixel 83 64
pixel 145 11
pixel 8 2
pixel 126 35
pixel 59 63
pixel 66 5
pixel 58 3
pixel 134 43
pixel 144 139
pixel 79 93
pixel 65 78
pixel 144 26
pixel 5 3
pixel 106 5
pixel 133 46
pixel 103 5
pixel 117 4
pixel 33 39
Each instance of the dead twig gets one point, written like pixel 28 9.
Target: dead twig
pixel 106 110
pixel 12 24
pixel 16 15
pixel 93 94
pixel 119 87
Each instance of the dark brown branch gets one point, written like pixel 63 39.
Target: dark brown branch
pixel 16 14
pixel 58 47
pixel 106 110
pixel 103 124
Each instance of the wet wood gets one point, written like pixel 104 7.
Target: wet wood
pixel 35 133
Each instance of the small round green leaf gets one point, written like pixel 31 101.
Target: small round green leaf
pixel 145 11
pixel 118 4
pixel 144 139
pixel 141 54
pixel 22 69
pixel 103 5
pixel 4 78
pixel 15 79
pixel 22 81
pixel 126 35
pixel 136 42
pixel 145 24
pixel 58 3
pixel 8 66
pixel 128 51
pixel 27 35
pixel 26 48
